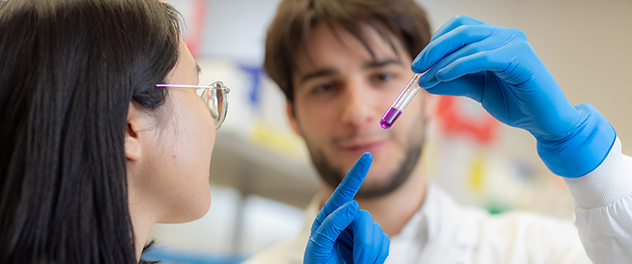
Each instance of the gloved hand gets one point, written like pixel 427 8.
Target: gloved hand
pixel 341 232
pixel 497 67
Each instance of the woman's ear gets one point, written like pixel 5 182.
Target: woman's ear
pixel 133 146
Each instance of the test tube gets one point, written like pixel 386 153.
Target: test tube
pixel 401 102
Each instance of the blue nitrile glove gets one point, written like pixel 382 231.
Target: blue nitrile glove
pixel 341 232
pixel 497 67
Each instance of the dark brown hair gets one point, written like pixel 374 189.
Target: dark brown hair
pixel 290 29
pixel 68 72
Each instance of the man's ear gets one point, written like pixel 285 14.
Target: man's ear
pixel 133 146
pixel 289 110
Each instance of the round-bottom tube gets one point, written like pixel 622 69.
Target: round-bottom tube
pixel 390 117
pixel 401 102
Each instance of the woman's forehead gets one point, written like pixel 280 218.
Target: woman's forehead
pixel 186 70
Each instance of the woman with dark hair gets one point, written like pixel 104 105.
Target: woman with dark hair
pixel 101 137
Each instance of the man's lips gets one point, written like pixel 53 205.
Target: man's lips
pixel 363 145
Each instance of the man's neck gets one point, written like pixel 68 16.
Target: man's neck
pixel 394 210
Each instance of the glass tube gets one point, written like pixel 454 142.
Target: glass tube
pixel 402 101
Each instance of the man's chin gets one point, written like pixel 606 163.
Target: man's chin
pixel 377 184
pixel 375 189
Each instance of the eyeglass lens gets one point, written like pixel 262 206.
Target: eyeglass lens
pixel 216 102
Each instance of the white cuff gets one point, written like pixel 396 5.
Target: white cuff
pixel 606 184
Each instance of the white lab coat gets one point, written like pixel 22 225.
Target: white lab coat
pixel 444 232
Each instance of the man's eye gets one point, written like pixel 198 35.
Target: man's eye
pixel 323 88
pixel 383 77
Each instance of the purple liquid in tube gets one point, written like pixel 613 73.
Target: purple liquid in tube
pixel 390 117
pixel 401 102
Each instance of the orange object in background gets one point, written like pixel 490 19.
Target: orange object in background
pixel 193 38
pixel 452 120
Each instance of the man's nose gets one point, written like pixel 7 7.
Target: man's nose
pixel 357 109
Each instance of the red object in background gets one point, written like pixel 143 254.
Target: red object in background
pixel 453 121
pixel 193 39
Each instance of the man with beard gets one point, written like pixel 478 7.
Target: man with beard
pixel 342 63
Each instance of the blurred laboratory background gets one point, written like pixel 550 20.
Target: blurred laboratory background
pixel 261 176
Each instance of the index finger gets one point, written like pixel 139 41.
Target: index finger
pixel 346 190
pixel 454 34
pixel 350 185
pixel 448 43
pixel 455 22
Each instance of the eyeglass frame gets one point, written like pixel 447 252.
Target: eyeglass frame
pixel 217 85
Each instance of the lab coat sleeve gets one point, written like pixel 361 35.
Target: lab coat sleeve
pixel 603 208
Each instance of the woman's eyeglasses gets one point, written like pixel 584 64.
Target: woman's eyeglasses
pixel 215 96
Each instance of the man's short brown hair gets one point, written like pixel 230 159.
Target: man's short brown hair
pixel 289 30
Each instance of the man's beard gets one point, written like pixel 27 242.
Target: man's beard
pixel 333 176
